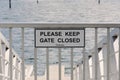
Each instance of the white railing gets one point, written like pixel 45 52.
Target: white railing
pixel 5 61
pixel 107 62
pixel 96 65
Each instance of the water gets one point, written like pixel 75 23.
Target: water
pixel 60 11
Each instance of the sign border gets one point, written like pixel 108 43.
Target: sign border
pixel 68 28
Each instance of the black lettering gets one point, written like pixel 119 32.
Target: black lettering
pixel 66 33
pixel 46 40
pixel 72 33
pixel 41 33
pixel 68 40
pixel 48 33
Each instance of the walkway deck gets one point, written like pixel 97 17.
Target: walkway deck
pixel 53 71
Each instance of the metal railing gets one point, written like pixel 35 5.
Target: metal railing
pixel 90 66
pixel 5 61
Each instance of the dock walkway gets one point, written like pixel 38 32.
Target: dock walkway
pixel 53 75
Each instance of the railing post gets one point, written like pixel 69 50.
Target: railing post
pixel 10 4
pixel 108 51
pixel 1 62
pixel 47 64
pixel 35 63
pixel 23 65
pixel 71 63
pixel 119 54
pixel 96 56
pixel 37 1
pixel 80 72
pixel 98 1
pixel 11 54
pixel 59 63
pixel 84 64
pixel 76 74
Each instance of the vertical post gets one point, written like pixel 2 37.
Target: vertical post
pixel 98 1
pixel 11 54
pixel 23 65
pixel 1 60
pixel 119 54
pixel 84 64
pixel 37 1
pixel 47 63
pixel 80 72
pixel 59 63
pixel 96 56
pixel 10 4
pixel 71 63
pixel 76 74
pixel 35 63
pixel 108 51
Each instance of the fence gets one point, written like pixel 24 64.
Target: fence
pixel 102 63
pixel 5 64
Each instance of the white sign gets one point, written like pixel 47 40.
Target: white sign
pixel 59 38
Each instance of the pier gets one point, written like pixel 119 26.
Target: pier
pixel 101 62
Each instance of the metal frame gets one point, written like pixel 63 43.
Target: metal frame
pixel 58 25
pixel 61 25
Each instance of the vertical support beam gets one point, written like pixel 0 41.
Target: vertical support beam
pixel 119 54
pixel 47 63
pixel 108 51
pixel 23 65
pixel 71 63
pixel 98 1
pixel 1 60
pixel 96 55
pixel 80 72
pixel 84 64
pixel 11 54
pixel 59 63
pixel 37 1
pixel 35 63
pixel 76 74
pixel 10 4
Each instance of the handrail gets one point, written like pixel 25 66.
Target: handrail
pixel 61 25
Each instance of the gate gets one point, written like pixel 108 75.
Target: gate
pixel 101 63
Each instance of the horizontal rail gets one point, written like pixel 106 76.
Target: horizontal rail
pixel 57 25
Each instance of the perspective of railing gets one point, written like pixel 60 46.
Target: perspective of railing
pixel 5 61
pixel 102 63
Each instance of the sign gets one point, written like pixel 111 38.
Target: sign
pixel 59 38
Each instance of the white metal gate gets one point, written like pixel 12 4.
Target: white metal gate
pixel 93 66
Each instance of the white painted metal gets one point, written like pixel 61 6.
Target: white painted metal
pixel 23 65
pixel 87 69
pixel 72 64
pixel 119 54
pixel 76 78
pixel 84 64
pixel 35 63
pixel 106 49
pixel 11 54
pixel 47 63
pixel 5 56
pixel 61 25
pixel 80 72
pixel 59 50
pixel 108 52
pixel 1 78
pixel 96 55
